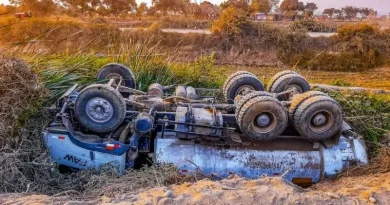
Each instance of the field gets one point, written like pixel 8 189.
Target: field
pixel 58 52
pixel 378 78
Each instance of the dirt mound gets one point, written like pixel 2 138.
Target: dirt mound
pixel 266 190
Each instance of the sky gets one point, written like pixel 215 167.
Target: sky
pixel 382 6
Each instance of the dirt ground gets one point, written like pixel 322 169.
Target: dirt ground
pixel 368 189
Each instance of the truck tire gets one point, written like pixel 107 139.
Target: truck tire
pixel 277 76
pixel 240 83
pixel 318 118
pixel 262 118
pixel 299 99
pixel 248 97
pixel 100 108
pixel 117 71
pixel 231 77
pixel 287 82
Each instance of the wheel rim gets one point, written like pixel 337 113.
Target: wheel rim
pixel 116 77
pixel 295 89
pixel 244 88
pixel 264 122
pixel 99 110
pixel 321 121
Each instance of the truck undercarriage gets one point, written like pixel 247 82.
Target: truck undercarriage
pixel 288 131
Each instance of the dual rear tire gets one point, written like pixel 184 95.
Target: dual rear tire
pixel 261 117
pixel 288 81
pixel 315 115
pixel 240 82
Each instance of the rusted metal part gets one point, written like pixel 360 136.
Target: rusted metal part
pixel 138 104
pixel 129 90
pixel 225 107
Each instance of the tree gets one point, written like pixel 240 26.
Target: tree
pixel 37 7
pixel 263 6
pixel 208 10
pixel 229 22
pixel 78 6
pixel 329 12
pixel 141 9
pixel 117 7
pixel 350 12
pixel 238 4
pixel 165 6
pixel 274 4
pixel 365 11
pixel 291 7
pixel 7 9
pixel 309 8
pixel 191 8
pixel 339 14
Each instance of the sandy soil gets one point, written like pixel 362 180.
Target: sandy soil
pixel 367 189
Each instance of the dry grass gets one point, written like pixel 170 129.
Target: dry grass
pixel 378 78
pixel 28 169
pixel 20 92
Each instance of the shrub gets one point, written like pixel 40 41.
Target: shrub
pixel 354 48
pixel 64 35
pixel 20 94
pixel 368 114
pixel 184 23
pixel 312 26
pixel 229 22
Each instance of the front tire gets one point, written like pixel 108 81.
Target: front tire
pixel 100 108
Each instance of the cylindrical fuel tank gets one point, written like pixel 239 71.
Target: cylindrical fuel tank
pixel 208 120
pixel 297 160
pixel 156 89
pixel 181 91
pixel 191 93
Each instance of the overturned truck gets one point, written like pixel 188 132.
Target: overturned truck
pixel 286 131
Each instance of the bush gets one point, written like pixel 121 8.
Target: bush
pixel 355 48
pixel 20 95
pixel 183 23
pixel 229 22
pixel 312 26
pixel 65 35
pixel 368 114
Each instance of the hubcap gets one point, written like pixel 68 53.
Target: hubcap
pixel 263 120
pixel 99 110
pixel 321 121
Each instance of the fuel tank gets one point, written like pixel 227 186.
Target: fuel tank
pixel 297 160
pixel 208 120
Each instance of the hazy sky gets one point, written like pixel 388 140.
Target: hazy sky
pixel 382 6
